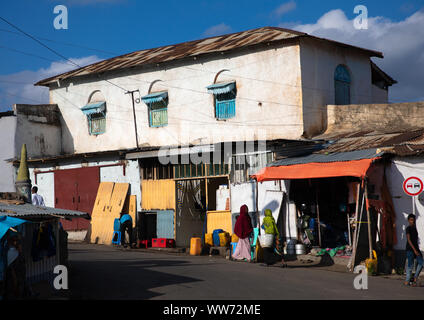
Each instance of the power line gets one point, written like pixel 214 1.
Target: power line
pixel 52 50
pixel 66 43
pixel 32 55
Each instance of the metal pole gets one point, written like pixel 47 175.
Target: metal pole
pixel 357 225
pixel 413 205
pixel 318 218
pixel 135 118
pixel 348 230
pixel 368 221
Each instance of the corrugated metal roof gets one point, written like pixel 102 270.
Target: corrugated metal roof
pixel 326 158
pixel 191 49
pixel 29 210
pixel 362 140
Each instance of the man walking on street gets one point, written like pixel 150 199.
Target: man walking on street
pixel 126 225
pixel 412 252
pixel 37 200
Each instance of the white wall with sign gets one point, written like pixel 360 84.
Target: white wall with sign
pixel 399 170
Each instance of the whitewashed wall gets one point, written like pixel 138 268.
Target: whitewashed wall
pixel 319 61
pixel 400 169
pixel 245 193
pixel 7 151
pixel 191 109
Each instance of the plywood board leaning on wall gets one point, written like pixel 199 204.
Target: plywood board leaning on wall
pixel 129 207
pixel 107 208
pixel 104 194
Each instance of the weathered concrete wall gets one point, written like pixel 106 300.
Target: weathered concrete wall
pixel 7 151
pixel 319 61
pixel 268 98
pixel 375 116
pixel 39 127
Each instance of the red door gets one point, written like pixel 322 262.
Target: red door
pixel 76 189
pixel 88 180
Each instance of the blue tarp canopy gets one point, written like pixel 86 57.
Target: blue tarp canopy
pixel 8 222
pixel 222 87
pixel 96 107
pixel 155 97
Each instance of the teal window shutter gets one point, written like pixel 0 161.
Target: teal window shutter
pixel 96 117
pixel 225 99
pixel 157 104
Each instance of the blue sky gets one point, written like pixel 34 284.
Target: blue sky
pixel 115 27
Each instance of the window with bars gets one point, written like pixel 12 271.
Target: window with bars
pixel 158 114
pixel 200 170
pixel 97 123
pixel 243 166
pixel 96 117
pixel 152 169
pixel 157 104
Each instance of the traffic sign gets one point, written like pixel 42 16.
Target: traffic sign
pixel 413 186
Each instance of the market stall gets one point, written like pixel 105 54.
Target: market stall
pixel 336 197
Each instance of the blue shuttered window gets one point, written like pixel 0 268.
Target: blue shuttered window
pixel 157 104
pixel 225 108
pixel 225 99
pixel 96 117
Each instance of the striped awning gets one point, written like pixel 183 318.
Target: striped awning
pixel 222 87
pixel 96 107
pixel 155 97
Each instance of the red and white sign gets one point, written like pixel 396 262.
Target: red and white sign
pixel 413 186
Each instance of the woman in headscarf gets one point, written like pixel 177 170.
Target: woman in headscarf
pixel 243 228
pixel 272 254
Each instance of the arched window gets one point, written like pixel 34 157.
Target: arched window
pixel 95 111
pixel 342 85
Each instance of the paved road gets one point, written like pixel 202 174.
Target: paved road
pixel 103 272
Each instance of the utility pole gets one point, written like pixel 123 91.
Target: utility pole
pixel 135 119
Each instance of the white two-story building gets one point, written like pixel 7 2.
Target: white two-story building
pixel 267 84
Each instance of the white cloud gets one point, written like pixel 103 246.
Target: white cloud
pixel 19 87
pixel 217 30
pixel 284 8
pixel 402 44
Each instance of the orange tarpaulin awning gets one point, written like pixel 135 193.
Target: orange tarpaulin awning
pixel 352 168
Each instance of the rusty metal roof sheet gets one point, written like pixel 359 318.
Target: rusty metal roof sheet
pixel 404 142
pixel 191 49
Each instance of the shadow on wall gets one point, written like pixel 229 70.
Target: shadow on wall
pixel 67 139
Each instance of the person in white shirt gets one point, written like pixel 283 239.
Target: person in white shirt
pixel 37 200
